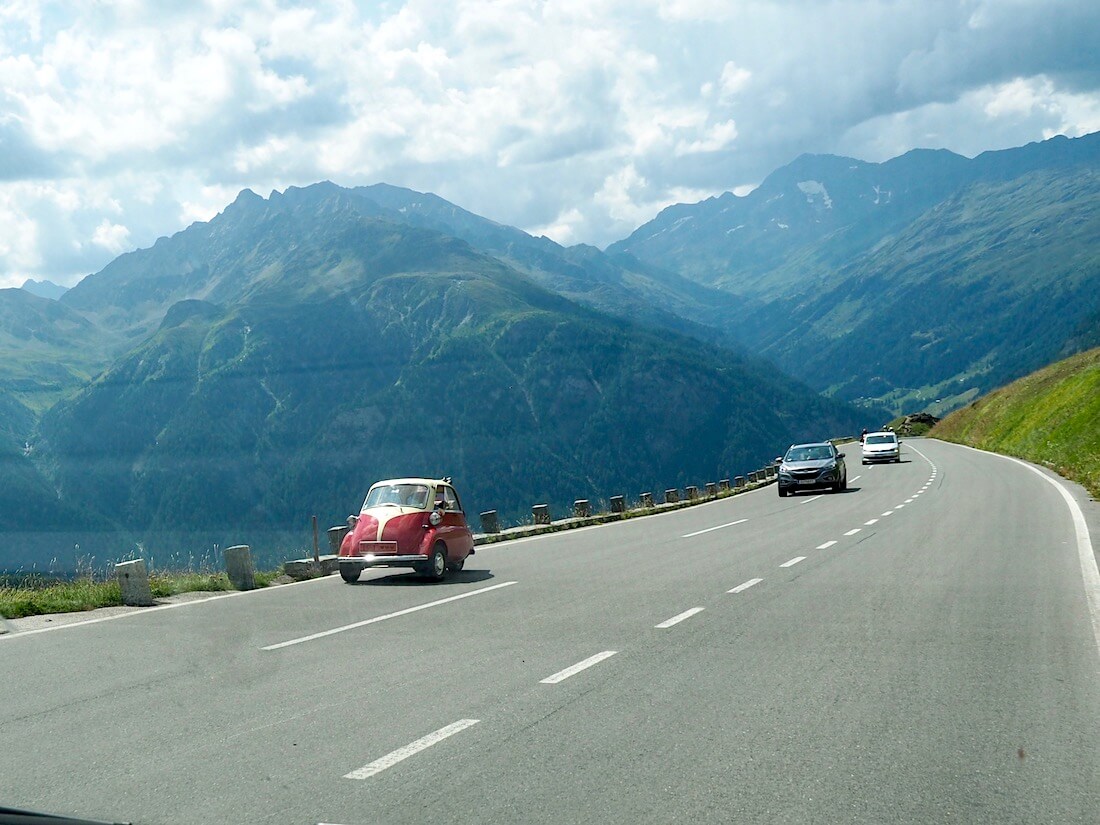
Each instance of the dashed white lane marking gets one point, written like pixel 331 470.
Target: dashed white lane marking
pixel 869 523
pixel 855 478
pixel 572 670
pixel 793 561
pixel 393 615
pixel 424 742
pixel 811 498
pixel 745 585
pixel 719 527
pixel 908 501
pixel 826 545
pixel 679 617
pixel 853 531
pixel 898 506
pixel 888 513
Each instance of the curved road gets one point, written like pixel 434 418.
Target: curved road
pixel 917 649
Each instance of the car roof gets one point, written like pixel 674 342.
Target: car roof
pixel 430 482
pixel 884 432
pixel 812 444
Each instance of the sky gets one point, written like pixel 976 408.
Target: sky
pixel 123 121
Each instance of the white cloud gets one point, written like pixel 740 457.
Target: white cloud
pixel 113 237
pixel 582 117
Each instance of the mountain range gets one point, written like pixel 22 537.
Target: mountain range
pixel 267 365
pixel 917 283
pixel 272 363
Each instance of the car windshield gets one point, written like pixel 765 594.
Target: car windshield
pixel 816 452
pixel 397 495
pixel 879 439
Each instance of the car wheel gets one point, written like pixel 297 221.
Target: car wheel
pixel 437 567
pixel 349 573
pixel 782 490
pixel 456 566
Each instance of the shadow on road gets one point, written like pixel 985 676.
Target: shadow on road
pixel 415 579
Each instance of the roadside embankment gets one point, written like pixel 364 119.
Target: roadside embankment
pixel 1051 417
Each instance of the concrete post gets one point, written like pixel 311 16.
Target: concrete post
pixel 691 493
pixel 489 522
pixel 541 512
pixel 238 566
pixel 581 508
pixel 336 538
pixel 646 499
pixel 618 504
pixel 133 581
pixel 672 496
pixel 724 484
pixel 739 481
pixel 712 489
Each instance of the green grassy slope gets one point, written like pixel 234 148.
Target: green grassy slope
pixel 1050 417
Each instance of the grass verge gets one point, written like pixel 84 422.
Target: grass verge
pixel 1051 417
pixel 34 595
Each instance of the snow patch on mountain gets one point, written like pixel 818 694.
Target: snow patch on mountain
pixel 814 189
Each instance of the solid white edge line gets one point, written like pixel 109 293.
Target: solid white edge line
pixel 424 742
pixel 793 562
pixel 745 585
pixel 719 527
pixel 853 531
pixel 393 615
pixel 826 545
pixel 572 670
pixel 157 608
pixel 687 614
pixel 1090 574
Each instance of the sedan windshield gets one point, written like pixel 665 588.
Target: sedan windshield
pixel 879 439
pixel 397 495
pixel 816 453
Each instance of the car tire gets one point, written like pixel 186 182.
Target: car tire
pixel 456 566
pixel 437 564
pixel 782 490
pixel 350 574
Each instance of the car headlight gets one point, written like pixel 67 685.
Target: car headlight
pixel 435 518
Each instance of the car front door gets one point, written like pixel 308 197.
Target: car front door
pixel 458 537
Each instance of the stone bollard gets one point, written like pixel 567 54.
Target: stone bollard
pixel 133 581
pixel 724 484
pixel 645 500
pixel 541 512
pixel 691 493
pixel 712 488
pixel 238 566
pixel 490 523
pixel 581 508
pixel 771 472
pixel 672 496
pixel 336 538
pixel 739 481
pixel 618 504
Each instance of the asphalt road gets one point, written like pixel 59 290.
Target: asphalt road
pixel 917 649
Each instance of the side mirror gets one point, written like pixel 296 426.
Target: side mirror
pixel 352 521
